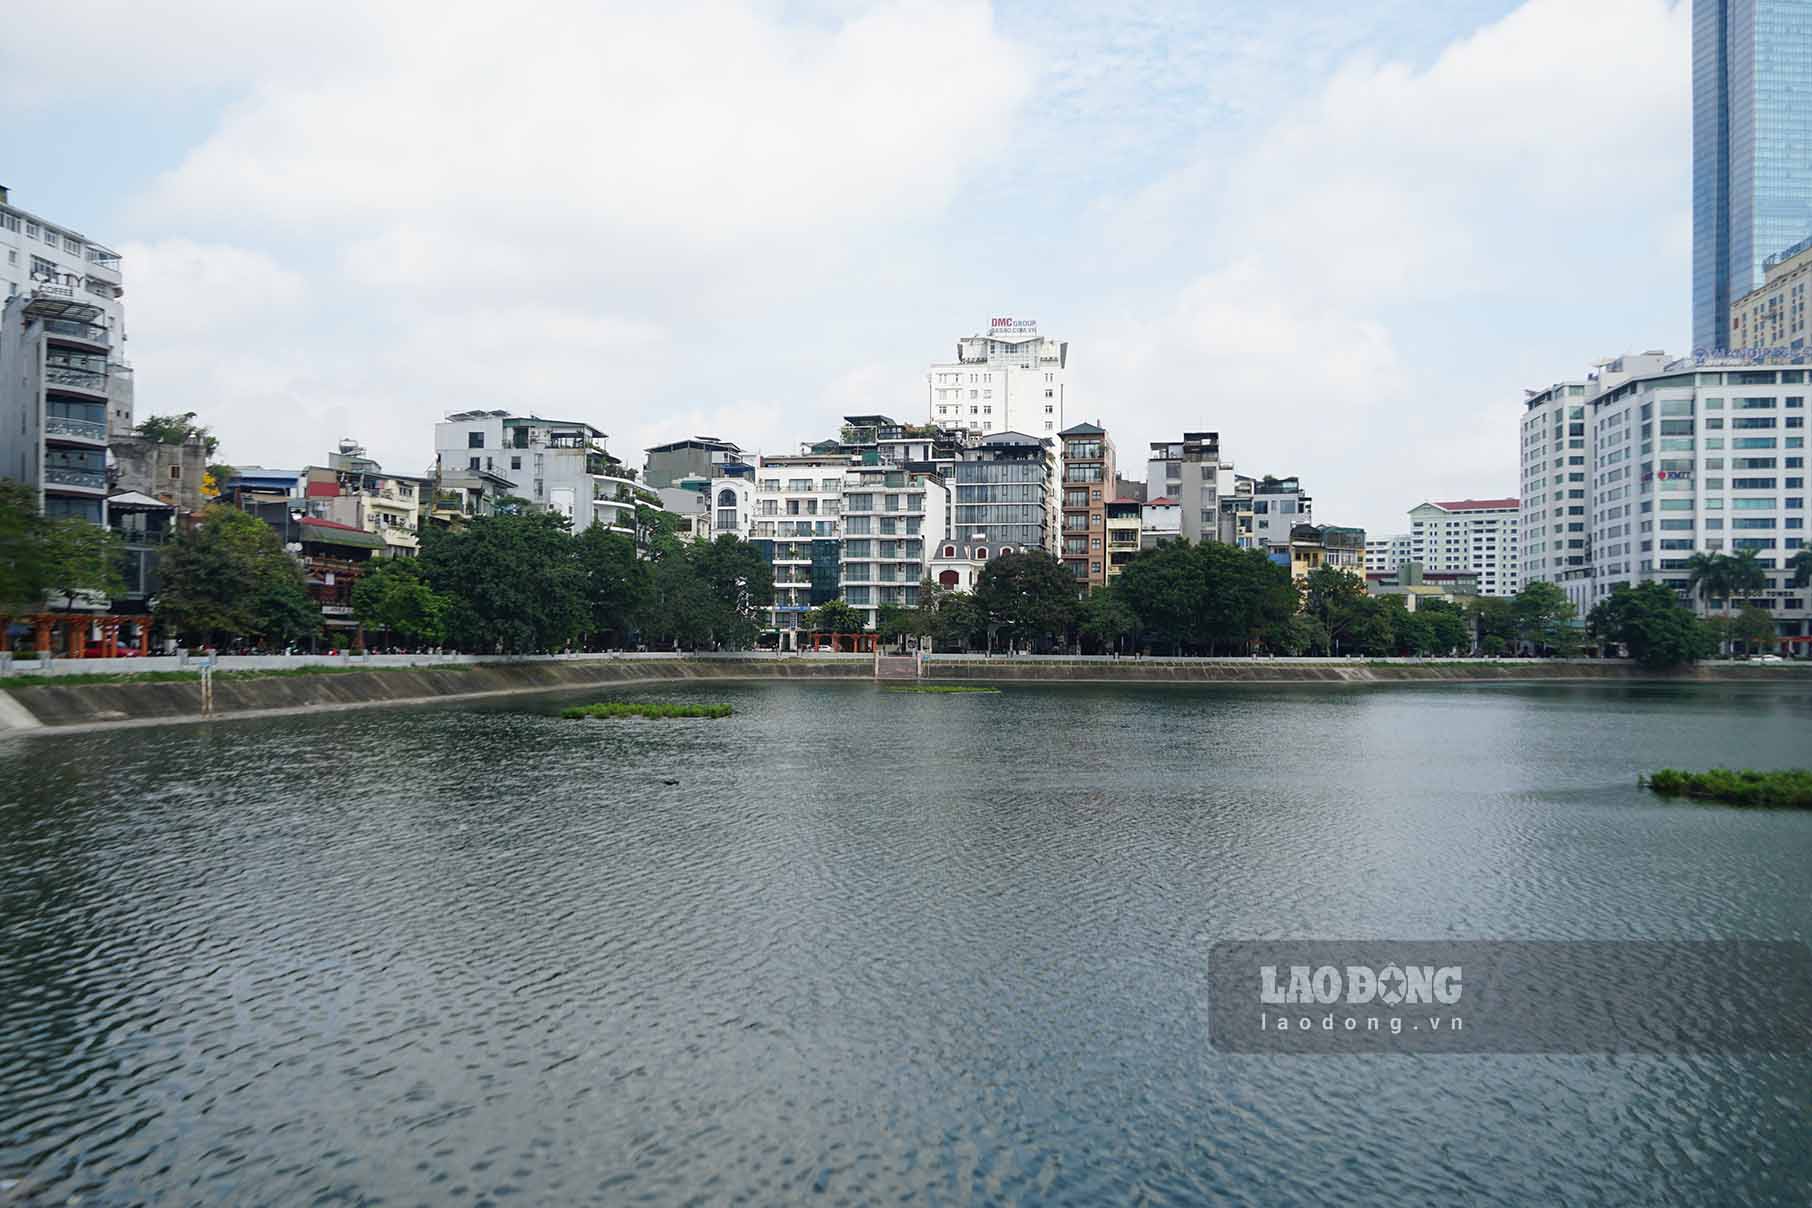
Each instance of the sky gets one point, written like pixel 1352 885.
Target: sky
pixel 1345 234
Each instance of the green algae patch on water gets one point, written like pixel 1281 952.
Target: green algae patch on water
pixel 1791 788
pixel 619 708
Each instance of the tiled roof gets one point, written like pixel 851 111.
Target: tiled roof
pixel 1474 505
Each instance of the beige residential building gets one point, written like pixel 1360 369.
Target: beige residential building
pixel 1773 315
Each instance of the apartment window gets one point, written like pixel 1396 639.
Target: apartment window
pixel 475 440
pixel 72 245
pixel 515 463
pixel 472 463
pixel 31 230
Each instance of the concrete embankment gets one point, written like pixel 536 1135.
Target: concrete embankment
pixel 1341 671
pixel 60 705
pixel 54 706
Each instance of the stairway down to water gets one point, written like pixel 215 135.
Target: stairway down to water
pixel 896 666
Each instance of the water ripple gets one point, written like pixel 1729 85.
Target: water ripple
pixel 868 947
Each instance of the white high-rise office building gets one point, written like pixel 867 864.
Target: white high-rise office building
pixel 1009 379
pixel 1702 457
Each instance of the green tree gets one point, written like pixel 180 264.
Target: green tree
pixel 1244 595
pixel 1754 627
pixel 1544 617
pixel 393 596
pixel 83 559
pixel 679 602
pixel 1412 633
pixel 1447 628
pixel 741 586
pixel 1339 601
pixel 1104 619
pixel 618 585
pixel 513 579
pixel 1026 597
pixel 24 569
pixel 1163 587
pixel 833 616
pixel 959 620
pixel 1298 635
pixel 1725 577
pixel 1801 566
pixel 1494 620
pixel 1650 621
pixel 894 623
pixel 178 429
pixel 229 577
pixel 707 592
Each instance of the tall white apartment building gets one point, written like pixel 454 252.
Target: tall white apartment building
pixel 1705 455
pixel 51 263
pixel 557 465
pixel 1478 535
pixel 1009 379
pixel 798 508
pixel 1385 554
pixel 1555 517
pixel 1556 456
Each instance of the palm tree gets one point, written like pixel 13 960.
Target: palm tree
pixel 1708 576
pixel 1745 573
pixel 1801 566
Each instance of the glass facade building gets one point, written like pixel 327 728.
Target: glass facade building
pixel 1752 149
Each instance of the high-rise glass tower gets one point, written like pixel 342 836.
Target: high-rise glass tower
pixel 1751 148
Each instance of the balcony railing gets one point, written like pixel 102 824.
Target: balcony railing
pixel 69 377
pixel 81 429
pixel 62 476
pixel 91 333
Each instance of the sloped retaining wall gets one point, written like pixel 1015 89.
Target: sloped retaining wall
pixel 54 706
pixel 1331 671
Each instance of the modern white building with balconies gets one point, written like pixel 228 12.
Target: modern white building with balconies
pixel 891 517
pixel 557 465
pixel 55 396
pixel 796 526
pixel 50 261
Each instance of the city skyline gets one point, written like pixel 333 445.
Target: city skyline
pixel 1239 222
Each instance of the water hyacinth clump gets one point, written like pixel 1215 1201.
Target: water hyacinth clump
pixel 662 709
pixel 1785 788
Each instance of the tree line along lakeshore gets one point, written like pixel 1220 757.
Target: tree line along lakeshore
pixel 522 581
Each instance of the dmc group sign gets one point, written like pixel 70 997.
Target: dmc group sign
pixel 1012 327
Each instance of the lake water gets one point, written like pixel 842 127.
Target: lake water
pixel 863 946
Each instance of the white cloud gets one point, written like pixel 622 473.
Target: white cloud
pixel 1388 264
pixel 569 208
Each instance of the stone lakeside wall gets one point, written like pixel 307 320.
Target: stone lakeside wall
pixel 1342 671
pixel 75 704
